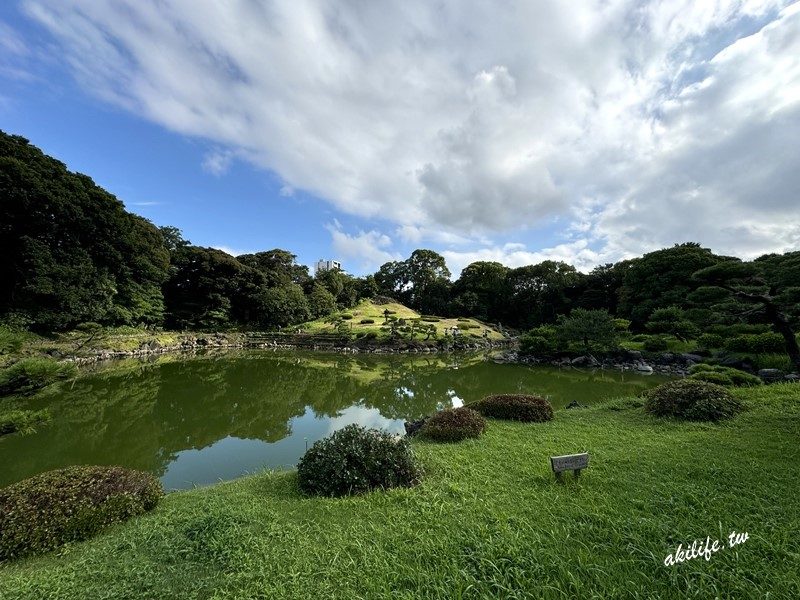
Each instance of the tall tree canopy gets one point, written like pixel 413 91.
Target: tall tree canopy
pixel 661 279
pixel 769 287
pixel 278 266
pixel 71 252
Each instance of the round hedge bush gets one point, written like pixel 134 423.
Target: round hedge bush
pixel 66 505
pixel 354 460
pixel 454 425
pixel 713 377
pixel 692 400
pixel 515 407
pixel 367 321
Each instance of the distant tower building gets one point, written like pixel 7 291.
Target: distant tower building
pixel 327 265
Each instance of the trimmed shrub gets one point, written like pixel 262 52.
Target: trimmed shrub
pixel 430 319
pixel 454 425
pixel 354 460
pixel 31 374
pixel 692 400
pixel 24 421
pixel 655 343
pixel 370 335
pixel 723 375
pixel 773 361
pixel 465 326
pixel 713 377
pixel 700 367
pixel 346 317
pixel 515 407
pixel 536 345
pixel 711 340
pixel 367 321
pixel 621 324
pixel 68 505
pixel 761 343
pixel 463 319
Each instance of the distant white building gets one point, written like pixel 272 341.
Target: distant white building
pixel 327 265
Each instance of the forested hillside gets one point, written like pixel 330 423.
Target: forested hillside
pixel 73 255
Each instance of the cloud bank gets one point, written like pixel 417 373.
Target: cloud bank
pixel 626 126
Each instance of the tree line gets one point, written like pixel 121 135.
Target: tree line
pixel 72 254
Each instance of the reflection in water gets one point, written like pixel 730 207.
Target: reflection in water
pixel 197 421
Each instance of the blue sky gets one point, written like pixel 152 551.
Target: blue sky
pixel 586 133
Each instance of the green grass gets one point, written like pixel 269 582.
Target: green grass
pixel 489 521
pixel 368 310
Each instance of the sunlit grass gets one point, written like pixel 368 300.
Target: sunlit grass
pixel 488 521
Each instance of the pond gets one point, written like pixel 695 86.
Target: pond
pixel 194 421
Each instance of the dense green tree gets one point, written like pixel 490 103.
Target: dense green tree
pixel 281 306
pixel 422 280
pixel 539 293
pixel 205 285
pixel 769 286
pixel 661 279
pixel 482 289
pixel 672 320
pixel 173 239
pixel 342 286
pixel 321 302
pixel 594 329
pixel 71 252
pixel 278 266
pixel 392 279
pixel 600 288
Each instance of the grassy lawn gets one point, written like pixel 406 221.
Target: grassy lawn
pixel 488 522
pixel 368 310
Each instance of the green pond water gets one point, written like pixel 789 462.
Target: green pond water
pixel 195 421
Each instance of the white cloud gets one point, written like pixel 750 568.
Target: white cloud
pixel 366 250
pixel 512 254
pixel 218 162
pixel 234 251
pixel 634 124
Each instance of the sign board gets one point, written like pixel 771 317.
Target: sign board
pixel 569 462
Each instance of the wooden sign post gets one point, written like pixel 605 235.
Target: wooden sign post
pixel 569 462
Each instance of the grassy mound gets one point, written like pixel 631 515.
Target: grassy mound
pixel 66 505
pixel 515 407
pixel 370 317
pixel 692 400
pixel 454 425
